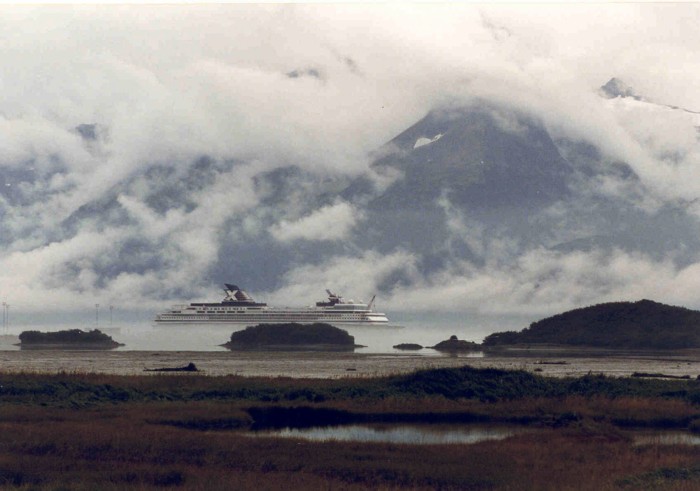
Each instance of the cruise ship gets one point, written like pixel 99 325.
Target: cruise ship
pixel 238 307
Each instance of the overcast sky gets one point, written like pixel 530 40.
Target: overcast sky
pixel 173 83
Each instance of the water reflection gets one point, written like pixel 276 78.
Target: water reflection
pixel 666 438
pixel 407 434
pixel 439 434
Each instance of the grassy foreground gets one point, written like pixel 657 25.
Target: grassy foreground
pixel 87 431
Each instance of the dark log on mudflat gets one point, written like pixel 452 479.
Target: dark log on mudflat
pixel 658 375
pixel 191 367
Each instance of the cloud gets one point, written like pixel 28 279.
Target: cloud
pixel 355 277
pixel 173 84
pixel 536 284
pixel 331 222
pixel 541 283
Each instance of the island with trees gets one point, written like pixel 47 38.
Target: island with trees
pixel 408 347
pixel 455 345
pixel 292 336
pixel 67 339
pixel 643 325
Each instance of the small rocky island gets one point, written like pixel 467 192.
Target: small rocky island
pixel 68 339
pixel 456 345
pixel 408 347
pixel 292 337
pixel 644 325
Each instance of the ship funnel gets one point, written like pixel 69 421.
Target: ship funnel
pixel 243 296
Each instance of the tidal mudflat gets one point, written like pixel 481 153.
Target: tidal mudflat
pixel 338 365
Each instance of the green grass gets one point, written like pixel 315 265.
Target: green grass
pixel 486 385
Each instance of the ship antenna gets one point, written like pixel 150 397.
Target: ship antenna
pixel 371 302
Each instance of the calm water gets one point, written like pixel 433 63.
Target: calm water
pixel 665 438
pixel 147 346
pixel 446 434
pixel 140 334
pixel 403 434
pixel 146 337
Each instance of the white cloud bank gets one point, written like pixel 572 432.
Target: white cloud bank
pixel 539 283
pixel 332 222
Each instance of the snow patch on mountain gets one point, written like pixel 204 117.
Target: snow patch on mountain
pixel 423 141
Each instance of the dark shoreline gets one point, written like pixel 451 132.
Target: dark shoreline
pixel 583 351
pixel 68 346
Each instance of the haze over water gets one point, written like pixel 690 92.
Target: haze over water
pixel 426 329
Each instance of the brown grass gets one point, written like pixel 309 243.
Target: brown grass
pixel 126 447
pixel 53 442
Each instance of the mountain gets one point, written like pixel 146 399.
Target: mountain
pixel 497 167
pixel 617 88
pixel 471 176
pixel 465 190
pixel 642 325
pixel 452 185
pixel 478 183
pixel 459 180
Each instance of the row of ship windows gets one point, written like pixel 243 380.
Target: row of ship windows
pixel 286 314
pixel 263 317
pixel 218 311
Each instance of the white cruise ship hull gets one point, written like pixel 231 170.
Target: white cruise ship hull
pixel 269 318
pixel 195 321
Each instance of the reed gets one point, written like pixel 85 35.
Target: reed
pixel 115 448
pixel 88 431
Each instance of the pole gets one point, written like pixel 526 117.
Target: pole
pixel 111 308
pixel 97 316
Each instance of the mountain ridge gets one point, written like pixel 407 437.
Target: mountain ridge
pixel 467 191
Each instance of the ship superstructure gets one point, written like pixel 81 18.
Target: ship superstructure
pixel 238 307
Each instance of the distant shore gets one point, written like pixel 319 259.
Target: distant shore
pixel 577 351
